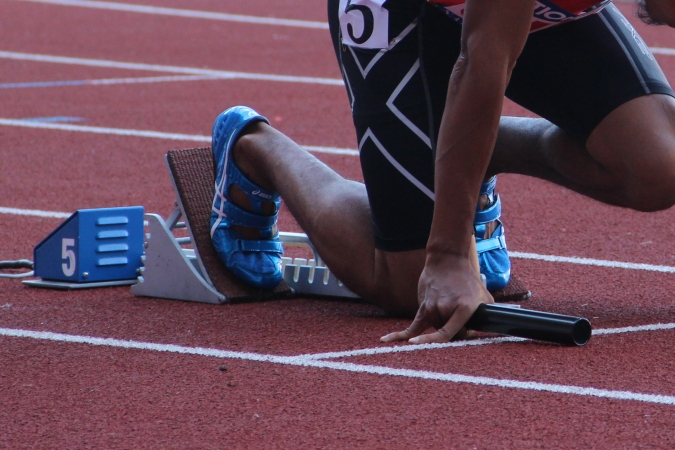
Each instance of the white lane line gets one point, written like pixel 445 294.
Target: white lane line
pixel 406 348
pixel 662 51
pixel 105 130
pixel 497 382
pixel 471 343
pixel 150 134
pixel 593 262
pixel 341 366
pixel 636 329
pixel 105 81
pixel 224 74
pixel 34 213
pixel 187 13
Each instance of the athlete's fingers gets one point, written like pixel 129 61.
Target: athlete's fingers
pixel 396 336
pixel 406 334
pixel 436 337
pixel 454 325
pixel 415 329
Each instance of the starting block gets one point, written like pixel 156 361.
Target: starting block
pixel 172 271
pixel 123 246
pixel 92 248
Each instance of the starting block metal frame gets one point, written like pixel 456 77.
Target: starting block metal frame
pixel 168 270
pixel 176 272
pixel 173 271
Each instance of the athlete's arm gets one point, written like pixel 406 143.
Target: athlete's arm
pixel 493 35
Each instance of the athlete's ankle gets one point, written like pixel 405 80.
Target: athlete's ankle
pixel 245 156
pixel 484 202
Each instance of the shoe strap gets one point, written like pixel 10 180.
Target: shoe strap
pixel 234 215
pixel 255 193
pixel 489 214
pixel 493 243
pixel 269 245
pixel 489 186
pixel 496 242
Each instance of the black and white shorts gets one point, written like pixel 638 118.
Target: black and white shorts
pixel 396 61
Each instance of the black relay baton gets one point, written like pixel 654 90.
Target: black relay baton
pixel 526 323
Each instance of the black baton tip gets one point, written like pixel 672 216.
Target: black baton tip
pixel 581 333
pixel 542 326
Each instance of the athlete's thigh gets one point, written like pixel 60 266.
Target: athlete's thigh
pixel 392 93
pixel 577 73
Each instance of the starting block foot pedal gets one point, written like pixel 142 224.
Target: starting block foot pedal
pixel 513 292
pixel 197 274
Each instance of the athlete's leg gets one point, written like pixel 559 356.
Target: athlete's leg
pixel 614 104
pixel 392 90
pixel 375 247
pixel 636 145
pixel 628 160
pixel 335 214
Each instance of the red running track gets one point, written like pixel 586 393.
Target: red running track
pixel 152 384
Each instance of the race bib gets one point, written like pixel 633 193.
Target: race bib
pixel 364 23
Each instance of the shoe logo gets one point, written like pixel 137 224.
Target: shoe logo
pixel 262 194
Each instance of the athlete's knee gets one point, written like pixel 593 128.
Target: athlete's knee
pixel 652 188
pixel 654 197
pixel 635 145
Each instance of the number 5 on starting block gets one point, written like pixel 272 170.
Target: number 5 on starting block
pixel 92 245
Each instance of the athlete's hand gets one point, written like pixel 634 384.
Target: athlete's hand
pixel 449 292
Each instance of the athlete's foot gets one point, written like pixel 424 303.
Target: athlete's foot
pixel 244 214
pixel 490 241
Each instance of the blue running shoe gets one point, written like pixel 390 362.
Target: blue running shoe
pixel 255 262
pixel 492 254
